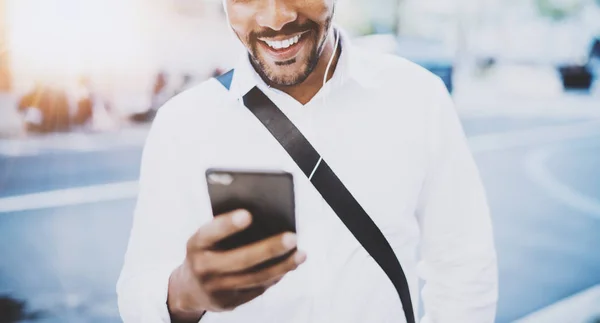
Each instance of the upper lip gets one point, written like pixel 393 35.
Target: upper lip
pixel 282 37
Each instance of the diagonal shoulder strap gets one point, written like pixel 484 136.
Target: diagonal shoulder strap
pixel 330 187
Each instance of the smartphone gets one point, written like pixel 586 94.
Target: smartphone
pixel 267 195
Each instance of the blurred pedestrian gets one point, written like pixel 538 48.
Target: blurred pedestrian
pixel 158 97
pixel 159 92
pixel 385 126
pixel 84 102
pixel 595 48
pixel 91 109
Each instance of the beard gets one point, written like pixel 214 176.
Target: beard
pixel 274 72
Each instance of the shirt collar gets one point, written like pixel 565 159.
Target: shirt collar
pixel 350 68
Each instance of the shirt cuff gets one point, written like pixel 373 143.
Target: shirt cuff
pixel 145 297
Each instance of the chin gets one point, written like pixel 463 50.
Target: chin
pixel 287 80
pixel 287 75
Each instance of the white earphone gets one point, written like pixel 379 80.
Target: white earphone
pixel 335 48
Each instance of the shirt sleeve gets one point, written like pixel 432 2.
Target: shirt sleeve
pixel 163 221
pixel 457 256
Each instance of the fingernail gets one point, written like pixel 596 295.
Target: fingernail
pixel 289 240
pixel 300 257
pixel 241 218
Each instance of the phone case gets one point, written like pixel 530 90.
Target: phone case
pixel 268 196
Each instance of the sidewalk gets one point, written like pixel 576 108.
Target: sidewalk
pixel 109 134
pixel 512 91
pixel 521 91
pixel 31 145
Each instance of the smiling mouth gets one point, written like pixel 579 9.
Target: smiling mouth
pixel 284 49
pixel 282 44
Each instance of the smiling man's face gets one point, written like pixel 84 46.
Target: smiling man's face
pixel 285 38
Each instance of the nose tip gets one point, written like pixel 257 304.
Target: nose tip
pixel 276 14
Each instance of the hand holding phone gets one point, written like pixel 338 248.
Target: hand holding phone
pixel 220 280
pixel 238 255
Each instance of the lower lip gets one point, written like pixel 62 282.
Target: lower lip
pixel 284 54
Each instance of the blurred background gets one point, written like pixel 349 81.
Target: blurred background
pixel 80 82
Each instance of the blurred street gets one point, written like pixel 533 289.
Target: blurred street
pixel 63 255
pixel 78 94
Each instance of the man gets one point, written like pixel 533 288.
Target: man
pixel 385 126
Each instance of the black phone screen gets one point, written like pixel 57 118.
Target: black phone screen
pixel 268 196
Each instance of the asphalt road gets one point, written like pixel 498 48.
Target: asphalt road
pixel 66 260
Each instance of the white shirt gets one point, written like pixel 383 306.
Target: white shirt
pixel 389 130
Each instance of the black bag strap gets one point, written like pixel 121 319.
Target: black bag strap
pixel 330 187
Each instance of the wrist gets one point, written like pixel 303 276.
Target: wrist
pixel 181 309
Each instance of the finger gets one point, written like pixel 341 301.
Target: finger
pixel 221 227
pixel 253 254
pixel 263 278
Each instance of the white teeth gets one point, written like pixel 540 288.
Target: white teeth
pixel 283 43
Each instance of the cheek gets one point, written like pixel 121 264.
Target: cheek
pixel 240 18
pixel 317 10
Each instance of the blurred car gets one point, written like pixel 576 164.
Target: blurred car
pixel 45 109
pixel 430 54
pixel 582 76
